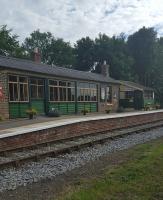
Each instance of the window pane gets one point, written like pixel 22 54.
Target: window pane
pixel 51 94
pixel 40 82
pixel 40 92
pixel 23 90
pixel 81 94
pixel 23 79
pixel 15 92
pixel 72 94
pixel 26 95
pixel 92 95
pixel 34 81
pixel 55 94
pixel 51 82
pixel 86 94
pixel 108 94
pixel 69 94
pixel 102 94
pixel 60 94
pixel 92 85
pixel 62 83
pixel 13 78
pixel 71 84
pixel 34 91
pixel 95 96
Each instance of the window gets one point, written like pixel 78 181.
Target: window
pixel 148 94
pixel 37 88
pixel 61 91
pixel 87 92
pixel 18 89
pixel 129 94
pixel 108 94
pixel 103 95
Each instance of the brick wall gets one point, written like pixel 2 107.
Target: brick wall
pixel 4 107
pixel 76 129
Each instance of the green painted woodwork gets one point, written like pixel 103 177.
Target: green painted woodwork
pixel 38 105
pixel 93 107
pixel 90 106
pixel 18 110
pixel 64 108
pixel 149 101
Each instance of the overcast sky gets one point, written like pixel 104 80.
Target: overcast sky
pixel 73 19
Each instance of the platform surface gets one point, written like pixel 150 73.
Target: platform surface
pixel 42 124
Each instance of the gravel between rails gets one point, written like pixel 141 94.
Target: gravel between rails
pixel 11 178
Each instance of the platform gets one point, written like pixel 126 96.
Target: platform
pixel 57 122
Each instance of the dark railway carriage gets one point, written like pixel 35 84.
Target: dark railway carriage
pixel 25 84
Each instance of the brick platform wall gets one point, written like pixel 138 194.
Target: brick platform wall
pixel 4 107
pixel 76 129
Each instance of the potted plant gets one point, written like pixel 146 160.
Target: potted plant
pixel 85 111
pixel 53 113
pixel 108 111
pixel 157 106
pixel 31 112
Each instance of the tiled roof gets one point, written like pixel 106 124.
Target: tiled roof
pixel 26 65
pixel 135 85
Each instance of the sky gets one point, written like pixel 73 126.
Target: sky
pixel 74 19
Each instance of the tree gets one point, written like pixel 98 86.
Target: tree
pixel 9 45
pixel 157 75
pixel 84 52
pixel 53 51
pixel 142 45
pixel 40 40
pixel 114 52
pixel 61 53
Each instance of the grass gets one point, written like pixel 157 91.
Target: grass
pixel 139 178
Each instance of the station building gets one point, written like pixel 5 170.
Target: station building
pixel 134 95
pixel 25 84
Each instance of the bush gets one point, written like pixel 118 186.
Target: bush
pixel 120 109
pixel 53 113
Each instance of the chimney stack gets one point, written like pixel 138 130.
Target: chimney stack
pixel 37 55
pixel 105 69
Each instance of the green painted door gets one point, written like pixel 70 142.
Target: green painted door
pixel 37 94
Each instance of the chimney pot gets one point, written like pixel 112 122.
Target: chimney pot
pixel 105 69
pixel 37 55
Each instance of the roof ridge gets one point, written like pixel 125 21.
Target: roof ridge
pixel 28 65
pixel 43 64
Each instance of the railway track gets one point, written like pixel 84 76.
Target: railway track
pixel 17 157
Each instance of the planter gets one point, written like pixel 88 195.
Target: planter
pixel 31 116
pixel 31 112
